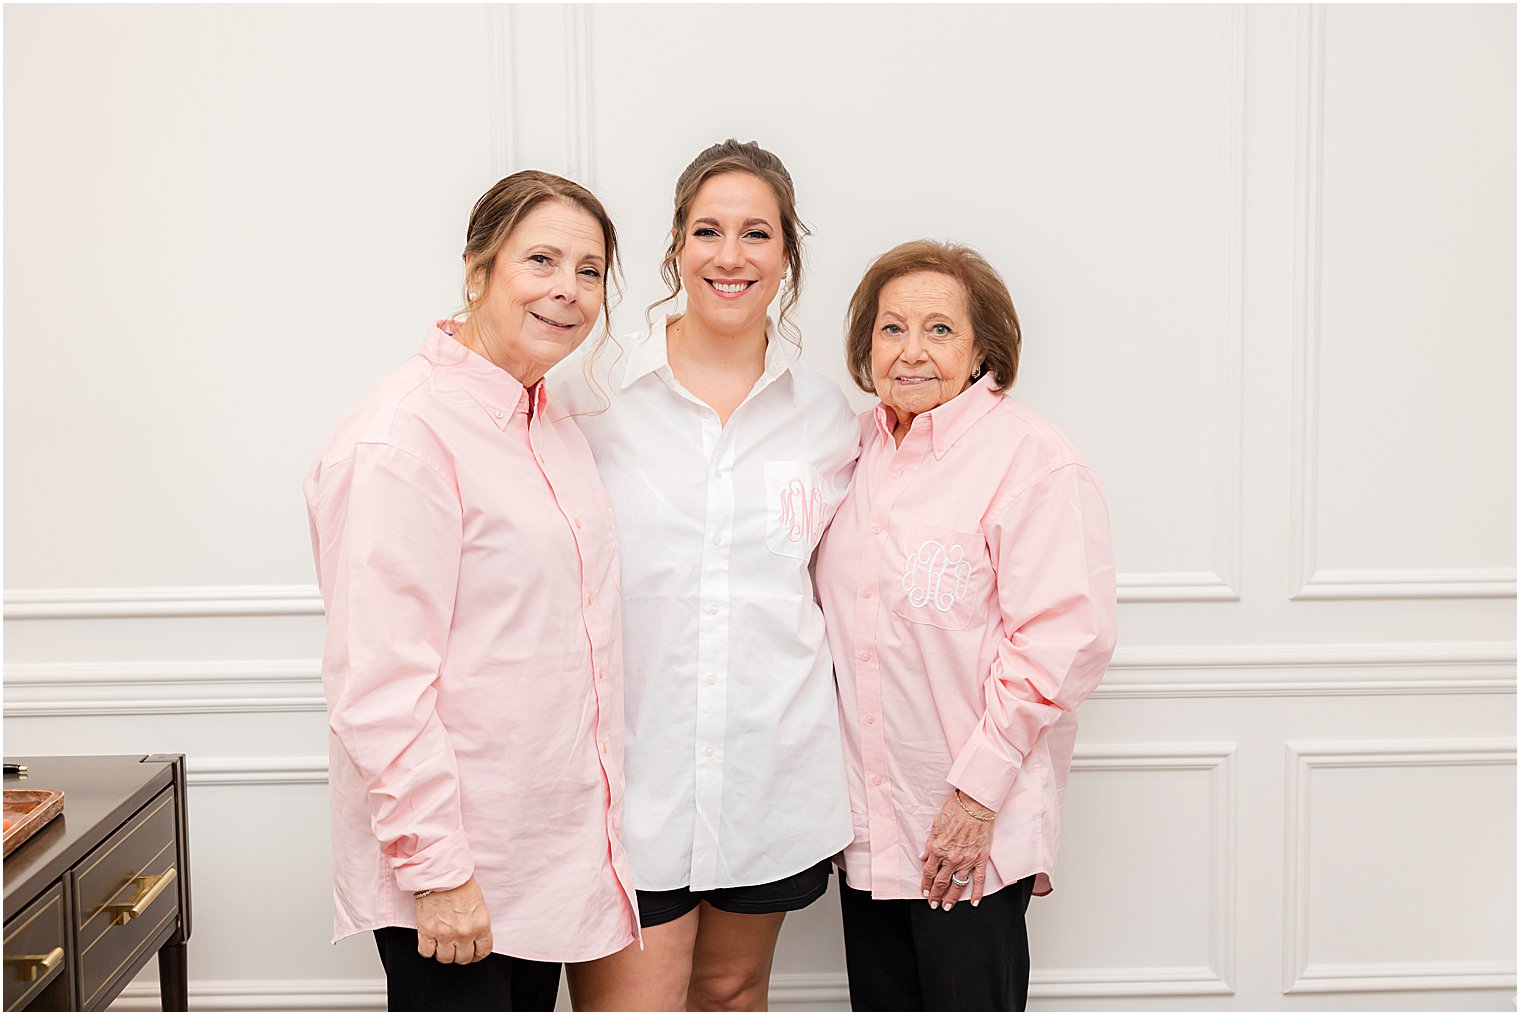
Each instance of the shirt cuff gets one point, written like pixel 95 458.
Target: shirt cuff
pixel 983 776
pixel 444 865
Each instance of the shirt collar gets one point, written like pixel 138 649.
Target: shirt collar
pixel 949 422
pixel 650 354
pixel 501 395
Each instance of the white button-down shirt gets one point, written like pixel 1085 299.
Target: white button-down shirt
pixel 734 764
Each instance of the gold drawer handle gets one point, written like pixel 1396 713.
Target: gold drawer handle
pixel 34 966
pixel 152 888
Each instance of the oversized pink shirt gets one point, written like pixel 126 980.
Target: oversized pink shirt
pixel 473 666
pixel 968 588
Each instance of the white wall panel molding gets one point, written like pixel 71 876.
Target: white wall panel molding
pixel 1422 583
pixel 1307 174
pixel 275 771
pixel 305 600
pixel 579 161
pixel 1377 668
pixel 1176 586
pixel 503 102
pixel 163 688
pixel 1308 580
pixel 1232 327
pixel 162 601
pixel 1218 760
pixel 215 687
pixel 1300 973
pixel 1222 583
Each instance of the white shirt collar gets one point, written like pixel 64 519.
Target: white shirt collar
pixel 650 354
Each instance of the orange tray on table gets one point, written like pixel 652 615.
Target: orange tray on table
pixel 26 811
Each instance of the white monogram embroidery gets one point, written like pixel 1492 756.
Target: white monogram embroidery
pixel 937 575
pixel 802 512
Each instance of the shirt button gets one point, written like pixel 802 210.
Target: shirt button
pixel 604 747
pixel 875 780
pixel 590 598
pixel 577 523
pixel 866 592
pixel 601 673
pixel 865 657
pixel 713 608
pixel 712 678
pixel 498 414
pixel 870 719
pixel 707 751
pixel 541 460
pixel 718 540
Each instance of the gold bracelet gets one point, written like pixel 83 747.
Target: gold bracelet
pixel 969 811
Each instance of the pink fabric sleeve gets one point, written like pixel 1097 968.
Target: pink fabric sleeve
pixel 1055 586
pixel 398 543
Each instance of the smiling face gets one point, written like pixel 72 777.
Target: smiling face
pixel 922 349
pixel 544 293
pixel 733 256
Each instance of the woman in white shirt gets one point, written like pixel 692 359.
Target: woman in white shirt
pixel 725 458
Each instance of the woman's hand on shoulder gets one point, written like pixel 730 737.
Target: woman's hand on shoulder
pixel 957 848
pixel 453 925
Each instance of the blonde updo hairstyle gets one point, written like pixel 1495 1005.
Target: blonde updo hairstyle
pixel 731 156
pixel 502 209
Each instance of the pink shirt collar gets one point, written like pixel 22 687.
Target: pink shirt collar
pixel 949 422
pixel 501 395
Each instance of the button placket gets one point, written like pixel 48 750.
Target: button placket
pixel 713 627
pixel 880 811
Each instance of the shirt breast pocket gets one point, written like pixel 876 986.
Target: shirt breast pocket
pixel 943 576
pixel 795 506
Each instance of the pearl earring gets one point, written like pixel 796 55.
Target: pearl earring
pixel 472 297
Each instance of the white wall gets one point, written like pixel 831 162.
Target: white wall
pixel 1265 260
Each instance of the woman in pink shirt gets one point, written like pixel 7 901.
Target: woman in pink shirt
pixel 968 588
pixel 465 554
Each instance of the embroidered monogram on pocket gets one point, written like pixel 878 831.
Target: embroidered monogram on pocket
pixel 798 509
pixel 942 577
pixel 803 510
pixel 937 575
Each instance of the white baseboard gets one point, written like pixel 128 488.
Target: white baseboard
pixel 264 995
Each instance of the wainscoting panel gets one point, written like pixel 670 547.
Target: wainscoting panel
pixel 1263 259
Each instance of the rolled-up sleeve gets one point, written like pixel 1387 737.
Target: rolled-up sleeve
pixel 1056 592
pixel 390 537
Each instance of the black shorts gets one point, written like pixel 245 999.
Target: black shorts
pixel 782 896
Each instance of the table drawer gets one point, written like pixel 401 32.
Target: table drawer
pixel 127 894
pixel 36 940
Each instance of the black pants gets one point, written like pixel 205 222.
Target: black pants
pixel 495 983
pixel 903 956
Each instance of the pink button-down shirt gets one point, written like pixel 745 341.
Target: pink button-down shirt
pixel 473 666
pixel 968 587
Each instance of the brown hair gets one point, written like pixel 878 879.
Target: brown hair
pixel 733 157
pixel 501 209
pixel 994 322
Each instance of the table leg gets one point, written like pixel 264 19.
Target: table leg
pixel 173 978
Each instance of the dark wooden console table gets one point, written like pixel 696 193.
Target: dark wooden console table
pixel 101 889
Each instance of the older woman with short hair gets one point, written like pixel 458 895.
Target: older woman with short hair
pixel 968 588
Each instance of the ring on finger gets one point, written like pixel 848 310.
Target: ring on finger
pixel 955 880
